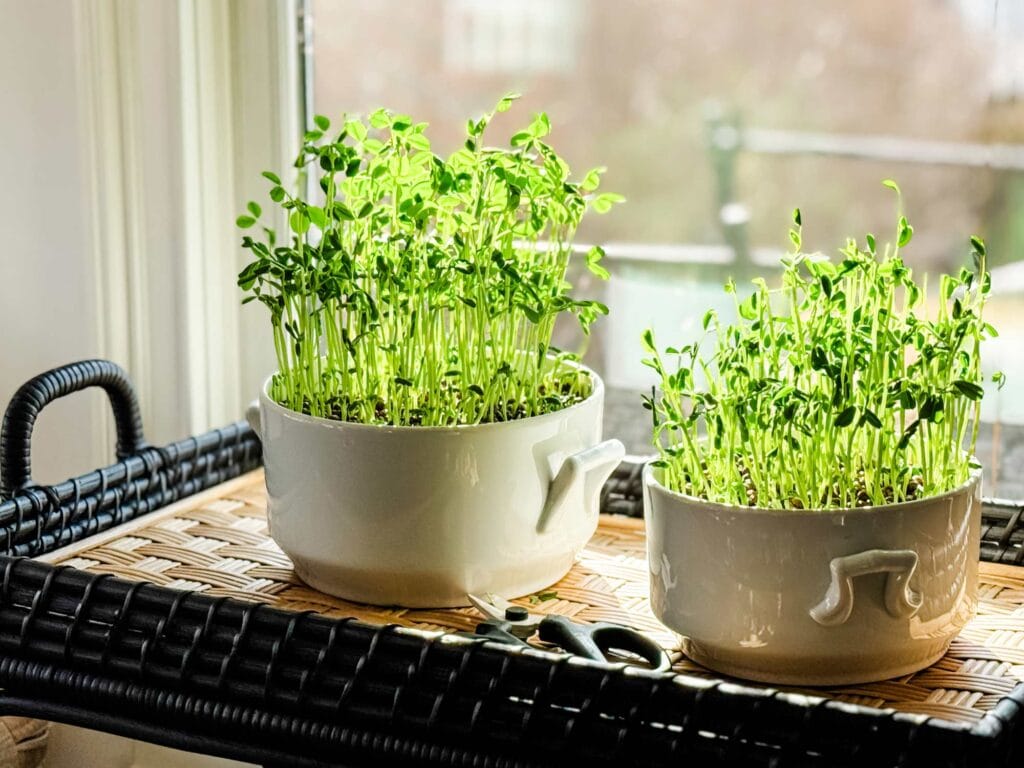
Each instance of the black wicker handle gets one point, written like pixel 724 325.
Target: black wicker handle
pixel 36 394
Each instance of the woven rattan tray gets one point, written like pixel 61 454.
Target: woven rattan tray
pixel 217 543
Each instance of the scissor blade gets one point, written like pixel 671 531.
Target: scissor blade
pixel 495 607
pixel 489 607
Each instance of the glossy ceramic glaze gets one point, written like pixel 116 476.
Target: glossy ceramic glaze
pixel 814 597
pixel 422 516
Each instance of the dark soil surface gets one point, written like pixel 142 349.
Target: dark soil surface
pixel 509 411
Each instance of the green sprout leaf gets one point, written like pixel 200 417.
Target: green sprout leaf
pixel 543 597
pixel 454 268
pixel 978 245
pixel 316 216
pixel 603 203
pixel 521 138
pixel 380 118
pixel 592 179
pixel 969 389
pixel 298 222
pixel 505 104
pixel 905 232
pixel 846 416
pixel 869 417
pixel 594 256
pixel 356 129
pixel 837 386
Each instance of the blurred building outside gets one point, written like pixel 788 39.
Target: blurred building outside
pixel 715 120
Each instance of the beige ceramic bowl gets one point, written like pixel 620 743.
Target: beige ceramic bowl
pixel 814 597
pixel 421 516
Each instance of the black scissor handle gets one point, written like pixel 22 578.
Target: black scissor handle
pixel 593 641
pixel 498 631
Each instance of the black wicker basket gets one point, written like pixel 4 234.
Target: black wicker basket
pixel 255 683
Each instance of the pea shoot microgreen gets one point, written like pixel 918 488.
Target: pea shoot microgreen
pixel 840 388
pixel 421 290
pixel 543 597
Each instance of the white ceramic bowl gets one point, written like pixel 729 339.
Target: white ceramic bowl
pixel 421 516
pixel 814 597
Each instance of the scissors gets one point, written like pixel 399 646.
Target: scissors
pixel 513 624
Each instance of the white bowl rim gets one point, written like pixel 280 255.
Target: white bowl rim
pixel 596 392
pixel 714 506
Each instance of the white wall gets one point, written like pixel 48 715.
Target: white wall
pixel 130 136
pixel 47 295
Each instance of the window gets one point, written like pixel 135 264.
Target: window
pixel 715 119
pixel 532 36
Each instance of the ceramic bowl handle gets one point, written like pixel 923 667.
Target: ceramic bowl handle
pixel 589 468
pixel 900 600
pixel 252 415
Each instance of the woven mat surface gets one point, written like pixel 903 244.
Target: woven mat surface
pixel 217 543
